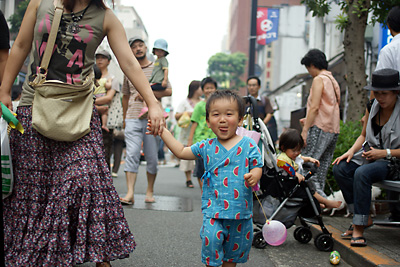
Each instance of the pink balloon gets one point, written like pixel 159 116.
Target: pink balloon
pixel 274 232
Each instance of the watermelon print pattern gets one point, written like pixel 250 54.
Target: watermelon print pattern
pixel 225 240
pixel 225 191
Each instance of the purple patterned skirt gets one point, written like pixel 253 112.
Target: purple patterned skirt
pixel 64 209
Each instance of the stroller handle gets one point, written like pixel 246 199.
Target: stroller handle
pixel 254 112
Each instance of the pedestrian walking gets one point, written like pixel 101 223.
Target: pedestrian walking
pixel 64 209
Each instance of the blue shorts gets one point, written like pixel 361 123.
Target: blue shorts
pixel 225 240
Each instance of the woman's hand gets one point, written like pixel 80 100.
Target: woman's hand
pixel 347 156
pixel 156 120
pixel 374 154
pixel 6 100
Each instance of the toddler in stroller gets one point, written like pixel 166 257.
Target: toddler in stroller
pixel 286 194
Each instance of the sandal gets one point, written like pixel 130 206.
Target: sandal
pixel 125 202
pixel 349 232
pixel 189 184
pixel 353 242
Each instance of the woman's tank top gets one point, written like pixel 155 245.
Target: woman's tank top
pixel 74 53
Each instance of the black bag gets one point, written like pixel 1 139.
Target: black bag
pixel 394 169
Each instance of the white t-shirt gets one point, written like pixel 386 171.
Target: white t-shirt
pixel 184 133
pixel 389 56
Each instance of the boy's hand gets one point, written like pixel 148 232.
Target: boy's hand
pixel 300 177
pixel 250 180
pixel 315 161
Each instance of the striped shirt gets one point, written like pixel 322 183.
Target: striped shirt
pixel 135 106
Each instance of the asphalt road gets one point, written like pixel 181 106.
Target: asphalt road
pixel 170 238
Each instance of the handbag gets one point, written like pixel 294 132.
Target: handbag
pixel 394 169
pixel 115 117
pixel 184 120
pixel 7 178
pixel 60 111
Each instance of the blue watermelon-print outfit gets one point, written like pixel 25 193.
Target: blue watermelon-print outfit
pixel 227 200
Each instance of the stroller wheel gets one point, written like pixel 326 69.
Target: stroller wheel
pixel 324 242
pixel 302 234
pixel 258 240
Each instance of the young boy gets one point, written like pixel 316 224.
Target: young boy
pixel 159 76
pixel 199 130
pixel 233 165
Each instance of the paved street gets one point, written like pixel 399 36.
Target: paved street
pixel 166 238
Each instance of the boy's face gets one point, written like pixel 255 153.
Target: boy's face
pixel 208 89
pixel 223 118
pixel 159 53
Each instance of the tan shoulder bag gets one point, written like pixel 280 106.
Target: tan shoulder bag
pixel 60 111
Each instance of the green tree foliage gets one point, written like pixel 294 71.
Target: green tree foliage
pixel 16 18
pixel 226 69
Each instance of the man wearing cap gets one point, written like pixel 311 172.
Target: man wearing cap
pixel 367 163
pixel 103 59
pixel 135 128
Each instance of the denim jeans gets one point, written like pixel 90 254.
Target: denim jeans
pixel 355 181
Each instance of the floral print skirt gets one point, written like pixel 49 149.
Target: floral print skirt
pixel 64 209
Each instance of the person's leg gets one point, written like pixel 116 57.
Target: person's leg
pixel 150 149
pixel 133 139
pixel 118 147
pixel 364 177
pixel 329 204
pixel 107 140
pixel 344 176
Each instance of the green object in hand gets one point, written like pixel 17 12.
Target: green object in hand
pixel 10 118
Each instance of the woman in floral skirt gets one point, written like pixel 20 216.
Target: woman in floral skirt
pixel 64 209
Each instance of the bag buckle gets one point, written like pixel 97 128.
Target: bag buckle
pixel 42 71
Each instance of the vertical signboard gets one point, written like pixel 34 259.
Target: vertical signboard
pixel 385 36
pixel 267 25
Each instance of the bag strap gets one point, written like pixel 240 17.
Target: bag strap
pixel 334 90
pixel 52 37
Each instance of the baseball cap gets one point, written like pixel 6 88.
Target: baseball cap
pixel 104 53
pixel 134 39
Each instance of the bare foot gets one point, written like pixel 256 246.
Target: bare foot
pixel 103 264
pixel 105 128
pixel 331 204
pixel 127 200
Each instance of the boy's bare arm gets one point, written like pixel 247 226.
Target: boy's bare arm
pixel 179 150
pixel 165 81
pixel 253 176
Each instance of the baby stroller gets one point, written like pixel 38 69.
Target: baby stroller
pixel 281 196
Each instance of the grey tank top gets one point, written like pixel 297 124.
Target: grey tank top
pixel 74 53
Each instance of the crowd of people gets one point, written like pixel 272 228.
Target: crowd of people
pixel 63 198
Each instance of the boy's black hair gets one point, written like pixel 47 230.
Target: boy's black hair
pixel 97 72
pixel 393 18
pixel 229 95
pixel 290 139
pixel 315 57
pixel 208 80
pixel 256 78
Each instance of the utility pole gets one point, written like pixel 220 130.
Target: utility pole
pixel 253 33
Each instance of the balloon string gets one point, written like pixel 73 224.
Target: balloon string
pixel 266 219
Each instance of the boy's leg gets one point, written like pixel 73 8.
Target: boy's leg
pixel 212 234
pixel 238 241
